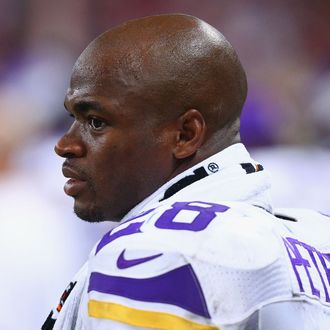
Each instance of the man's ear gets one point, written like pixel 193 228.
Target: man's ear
pixel 190 134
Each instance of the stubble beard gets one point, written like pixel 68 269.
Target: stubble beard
pixel 90 213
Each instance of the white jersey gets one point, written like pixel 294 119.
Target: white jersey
pixel 208 255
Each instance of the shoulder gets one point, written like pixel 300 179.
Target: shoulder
pixel 310 224
pixel 195 260
pixel 213 232
pixel 243 237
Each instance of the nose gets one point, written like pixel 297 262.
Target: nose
pixel 70 145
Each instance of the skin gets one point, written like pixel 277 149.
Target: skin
pixel 150 98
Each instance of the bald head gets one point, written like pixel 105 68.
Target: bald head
pixel 151 98
pixel 169 64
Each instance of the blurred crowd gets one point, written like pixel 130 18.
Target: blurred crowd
pixel 285 49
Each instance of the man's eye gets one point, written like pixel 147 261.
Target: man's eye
pixel 96 124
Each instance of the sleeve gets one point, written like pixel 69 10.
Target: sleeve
pixel 145 289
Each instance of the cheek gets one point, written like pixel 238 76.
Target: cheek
pixel 108 164
pixel 118 160
pixel 153 161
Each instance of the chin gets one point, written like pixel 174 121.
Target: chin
pixel 91 212
pixel 89 215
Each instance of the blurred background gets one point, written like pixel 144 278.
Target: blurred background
pixel 284 46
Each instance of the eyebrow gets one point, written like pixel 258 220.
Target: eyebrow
pixel 84 106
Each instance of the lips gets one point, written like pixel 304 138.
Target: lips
pixel 75 184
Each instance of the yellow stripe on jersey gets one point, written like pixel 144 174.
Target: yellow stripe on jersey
pixel 141 318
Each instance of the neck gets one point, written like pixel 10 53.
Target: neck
pixel 213 145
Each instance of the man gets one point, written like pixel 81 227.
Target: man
pixel 155 145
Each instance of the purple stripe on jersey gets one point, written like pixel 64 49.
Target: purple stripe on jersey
pixel 179 287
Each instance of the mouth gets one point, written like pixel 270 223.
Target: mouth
pixel 75 184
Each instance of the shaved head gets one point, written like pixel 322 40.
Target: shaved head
pixel 169 64
pixel 150 99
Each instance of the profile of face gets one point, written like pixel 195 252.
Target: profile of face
pixel 145 98
pixel 115 154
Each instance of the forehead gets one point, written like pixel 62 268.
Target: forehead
pixel 111 60
pixel 107 91
pixel 121 73
pixel 105 72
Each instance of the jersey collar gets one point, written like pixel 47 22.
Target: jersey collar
pixel 233 160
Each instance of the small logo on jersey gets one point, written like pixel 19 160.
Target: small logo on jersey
pixel 123 262
pixel 52 317
pixel 213 167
